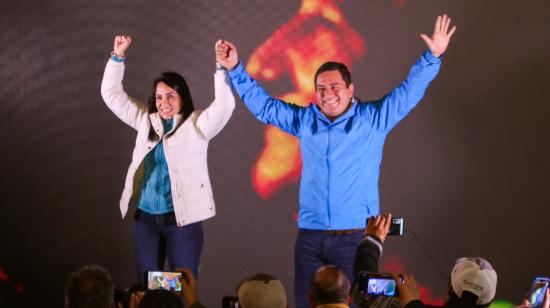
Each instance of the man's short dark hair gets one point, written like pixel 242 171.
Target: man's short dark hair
pixel 329 285
pixel 89 287
pixel 334 66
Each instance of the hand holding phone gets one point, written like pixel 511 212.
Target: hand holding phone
pixel 538 294
pixel 189 286
pixel 384 225
pixel 408 288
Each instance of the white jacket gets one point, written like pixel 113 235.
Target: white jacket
pixel 185 145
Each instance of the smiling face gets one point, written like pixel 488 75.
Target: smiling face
pixel 333 96
pixel 167 100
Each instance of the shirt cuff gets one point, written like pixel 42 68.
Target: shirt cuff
pixel 237 70
pixel 430 58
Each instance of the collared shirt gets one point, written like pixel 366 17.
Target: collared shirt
pixel 341 159
pixel 156 193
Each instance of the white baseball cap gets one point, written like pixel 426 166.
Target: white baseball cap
pixel 477 276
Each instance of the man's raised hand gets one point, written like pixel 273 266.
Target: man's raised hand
pixel 226 54
pixel 438 43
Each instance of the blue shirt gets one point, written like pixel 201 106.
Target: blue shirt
pixel 341 159
pixel 156 192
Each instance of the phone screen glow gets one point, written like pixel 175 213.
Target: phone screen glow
pixel 381 286
pixel 164 280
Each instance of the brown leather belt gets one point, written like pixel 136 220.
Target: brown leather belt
pixel 341 232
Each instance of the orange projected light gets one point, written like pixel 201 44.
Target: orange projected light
pixel 318 33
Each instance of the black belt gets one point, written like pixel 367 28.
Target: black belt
pixel 161 219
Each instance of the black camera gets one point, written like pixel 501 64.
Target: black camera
pixel 396 226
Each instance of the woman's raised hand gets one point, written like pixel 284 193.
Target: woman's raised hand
pixel 122 42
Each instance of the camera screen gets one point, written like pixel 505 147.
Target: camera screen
pixel 381 286
pixel 396 227
pixel 164 280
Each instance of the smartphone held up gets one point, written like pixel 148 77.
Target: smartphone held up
pixel 164 280
pixel 538 291
pixel 377 284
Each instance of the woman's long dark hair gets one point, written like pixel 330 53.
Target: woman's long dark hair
pixel 176 82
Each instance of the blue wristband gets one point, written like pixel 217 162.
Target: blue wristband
pixel 116 58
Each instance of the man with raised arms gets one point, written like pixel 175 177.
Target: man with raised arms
pixel 341 141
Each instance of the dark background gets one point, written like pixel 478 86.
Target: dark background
pixel 467 169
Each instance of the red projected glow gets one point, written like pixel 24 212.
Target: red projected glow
pixel 19 288
pixel 393 263
pixel 318 33
pixel 399 3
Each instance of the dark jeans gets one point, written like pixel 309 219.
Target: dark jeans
pixel 157 237
pixel 315 248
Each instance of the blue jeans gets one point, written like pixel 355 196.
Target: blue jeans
pixel 315 248
pixel 157 237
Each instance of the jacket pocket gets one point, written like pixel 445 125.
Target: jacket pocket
pixel 198 199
